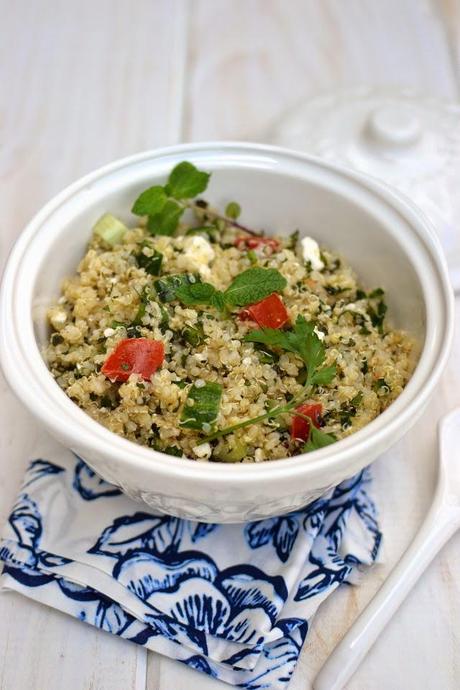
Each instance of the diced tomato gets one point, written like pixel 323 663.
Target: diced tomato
pixel 134 356
pixel 268 313
pixel 256 242
pixel 300 427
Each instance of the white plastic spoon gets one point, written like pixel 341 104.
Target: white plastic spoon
pixel 442 521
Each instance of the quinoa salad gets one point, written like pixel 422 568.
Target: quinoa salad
pixel 202 338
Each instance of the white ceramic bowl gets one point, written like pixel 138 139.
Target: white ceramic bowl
pixel 385 238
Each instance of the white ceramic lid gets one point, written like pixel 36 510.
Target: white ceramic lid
pixel 406 140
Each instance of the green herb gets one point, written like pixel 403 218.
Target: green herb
pixel 110 229
pixel 336 290
pixel 248 287
pixel 233 210
pixel 293 239
pixel 150 264
pixel 303 341
pixel 360 294
pixel 150 202
pixel 164 322
pixel 186 181
pixel 349 409
pixel 209 230
pixel 201 407
pixel 194 335
pixel 378 292
pixel 164 205
pixel 173 450
pixel 166 221
pixel 180 384
pixel 381 386
pixel 365 367
pixel 168 286
pixel 378 315
pixel 318 439
pixel 265 355
pixel 252 256
pixel 56 339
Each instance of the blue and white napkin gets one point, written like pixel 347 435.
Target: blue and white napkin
pixel 232 601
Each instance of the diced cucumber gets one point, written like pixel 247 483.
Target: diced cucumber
pixel 110 229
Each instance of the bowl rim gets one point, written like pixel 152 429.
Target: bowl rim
pixel 100 440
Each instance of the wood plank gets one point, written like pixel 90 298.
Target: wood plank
pixel 82 84
pixel 250 62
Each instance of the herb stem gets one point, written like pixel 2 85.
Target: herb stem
pixel 271 414
pixel 228 221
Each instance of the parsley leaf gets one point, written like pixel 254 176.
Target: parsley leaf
pixel 186 181
pixel 318 439
pixel 150 202
pixel 303 341
pixel 150 264
pixel 253 285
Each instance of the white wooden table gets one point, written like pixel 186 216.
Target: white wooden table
pixel 83 83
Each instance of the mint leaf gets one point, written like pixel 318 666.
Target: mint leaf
pixel 150 202
pixel 253 285
pixel 167 220
pixel 318 439
pixel 201 407
pixel 201 293
pixel 186 181
pixel 232 210
pixel 168 286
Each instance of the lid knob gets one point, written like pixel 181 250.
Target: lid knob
pixel 394 125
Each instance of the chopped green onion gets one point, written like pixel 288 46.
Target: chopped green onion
pixel 202 406
pixel 109 229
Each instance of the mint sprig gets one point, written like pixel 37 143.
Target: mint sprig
pixel 249 287
pixel 164 205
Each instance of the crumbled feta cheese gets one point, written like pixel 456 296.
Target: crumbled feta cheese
pixel 58 318
pixel 203 451
pixel 310 252
pixel 356 308
pixel 259 455
pixel 319 333
pixel 108 332
pixel 197 255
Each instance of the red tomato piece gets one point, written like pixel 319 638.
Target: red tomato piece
pixel 134 356
pixel 268 313
pixel 300 427
pixel 256 242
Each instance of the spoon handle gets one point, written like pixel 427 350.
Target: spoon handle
pixel 440 524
